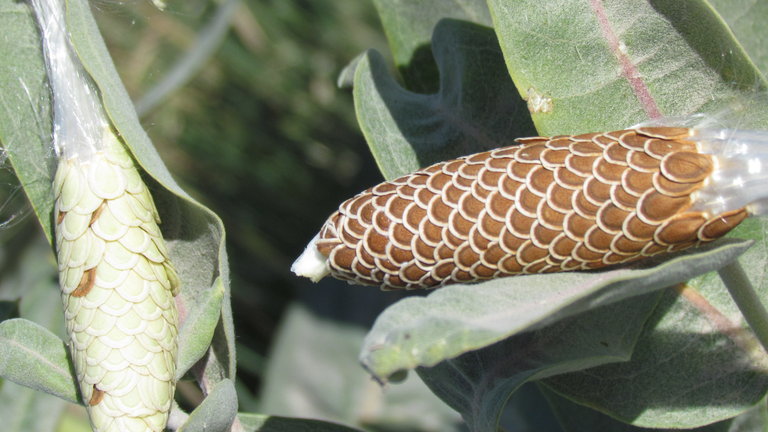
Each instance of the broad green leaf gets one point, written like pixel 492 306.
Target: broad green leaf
pixel 579 418
pixel 476 107
pixel 408 26
pixel 26 410
pixel 196 333
pixel 694 365
pixel 313 371
pixel 216 413
pixel 34 357
pixel 195 235
pixel 746 19
pixel 599 336
pixel 598 67
pixel 265 423
pixel 460 318
pixel 25 108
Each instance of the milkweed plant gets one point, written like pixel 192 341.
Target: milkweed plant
pixel 598 264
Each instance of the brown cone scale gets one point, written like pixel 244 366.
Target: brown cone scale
pixel 546 205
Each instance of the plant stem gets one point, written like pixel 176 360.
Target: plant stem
pixel 743 293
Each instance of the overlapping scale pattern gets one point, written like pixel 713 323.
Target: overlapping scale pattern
pixel 117 287
pixel 549 204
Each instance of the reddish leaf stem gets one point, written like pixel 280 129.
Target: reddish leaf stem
pixel 628 68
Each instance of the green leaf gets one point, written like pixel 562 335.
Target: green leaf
pixel 579 418
pixel 195 235
pixel 265 423
pixel 34 357
pixel 746 19
pixel 476 108
pixel 25 108
pixel 602 68
pixel 216 413
pixel 409 25
pixel 460 318
pixel 313 372
pixel 25 410
pixel 599 336
pixel 724 368
pixel 196 333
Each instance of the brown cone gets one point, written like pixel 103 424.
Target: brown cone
pixel 547 205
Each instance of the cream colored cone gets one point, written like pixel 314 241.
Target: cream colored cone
pixel 117 287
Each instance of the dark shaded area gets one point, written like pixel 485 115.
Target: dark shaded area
pixel 477 382
pixel 353 304
pixel 579 418
pixel 528 411
pixel 421 74
pixel 476 106
pixel 728 377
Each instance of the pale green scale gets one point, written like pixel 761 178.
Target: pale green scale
pixel 117 288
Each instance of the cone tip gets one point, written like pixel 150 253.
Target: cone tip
pixel 311 263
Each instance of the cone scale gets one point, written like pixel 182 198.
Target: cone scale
pixel 546 205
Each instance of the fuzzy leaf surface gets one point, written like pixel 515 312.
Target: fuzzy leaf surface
pixel 32 356
pixel 579 418
pixel 216 413
pixel 746 18
pixel 25 109
pixel 476 107
pixel 593 338
pixel 460 318
pixel 606 66
pixel 711 368
pixel 196 333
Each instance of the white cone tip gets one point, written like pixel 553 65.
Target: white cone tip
pixel 311 264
